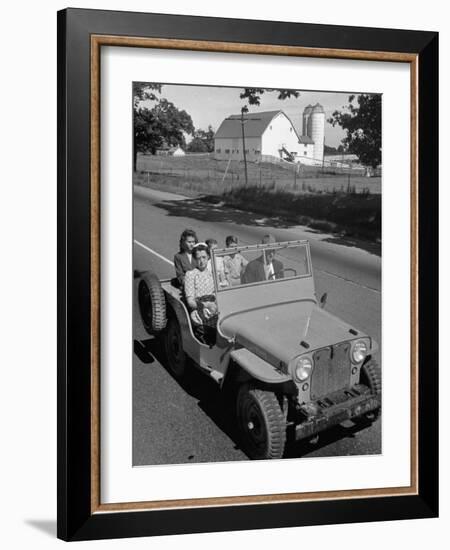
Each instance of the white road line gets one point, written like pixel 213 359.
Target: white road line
pixel 153 252
pixel 348 280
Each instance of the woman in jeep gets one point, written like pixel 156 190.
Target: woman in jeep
pixel 200 297
pixel 184 260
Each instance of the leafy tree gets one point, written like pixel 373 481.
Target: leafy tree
pixel 329 150
pixel 163 123
pixel 197 145
pixel 362 123
pixel 203 141
pixel 145 91
pixel 253 95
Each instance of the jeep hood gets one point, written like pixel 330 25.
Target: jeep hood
pixel 283 331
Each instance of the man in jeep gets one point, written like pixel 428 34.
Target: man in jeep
pixel 264 268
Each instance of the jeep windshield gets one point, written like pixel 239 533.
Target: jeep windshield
pixel 261 264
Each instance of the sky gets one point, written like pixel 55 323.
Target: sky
pixel 209 105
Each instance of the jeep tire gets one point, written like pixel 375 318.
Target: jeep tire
pixel 173 346
pixel 261 421
pixel 152 303
pixel 371 377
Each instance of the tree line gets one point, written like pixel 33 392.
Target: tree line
pixel 158 122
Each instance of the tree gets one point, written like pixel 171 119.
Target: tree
pixel 362 123
pixel 145 91
pixel 253 95
pixel 203 141
pixel 162 124
pixel 329 150
pixel 197 145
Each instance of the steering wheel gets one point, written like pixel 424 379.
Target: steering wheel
pixel 282 272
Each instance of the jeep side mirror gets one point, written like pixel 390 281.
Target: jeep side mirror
pixel 323 299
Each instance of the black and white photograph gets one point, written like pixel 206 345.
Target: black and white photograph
pixel 257 254
pixel 223 323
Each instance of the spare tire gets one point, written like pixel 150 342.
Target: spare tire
pixel 152 303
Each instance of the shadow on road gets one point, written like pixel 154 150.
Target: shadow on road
pixel 206 211
pixel 210 399
pixel 142 352
pixel 298 449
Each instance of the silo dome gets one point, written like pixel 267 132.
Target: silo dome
pixel 306 114
pixel 318 108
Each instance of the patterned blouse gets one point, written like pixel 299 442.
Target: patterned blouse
pixel 198 283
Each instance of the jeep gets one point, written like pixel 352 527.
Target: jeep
pixel 291 366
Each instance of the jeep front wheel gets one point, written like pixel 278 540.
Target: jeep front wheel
pixel 173 344
pixel 371 377
pixel 262 423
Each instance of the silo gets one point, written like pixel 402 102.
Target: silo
pixel 306 114
pixel 318 130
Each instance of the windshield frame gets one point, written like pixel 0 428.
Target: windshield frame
pixel 221 252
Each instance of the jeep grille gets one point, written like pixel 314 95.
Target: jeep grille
pixel 331 370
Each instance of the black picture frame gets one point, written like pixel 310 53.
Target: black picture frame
pixel 77 517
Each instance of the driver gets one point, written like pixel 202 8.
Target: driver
pixel 264 269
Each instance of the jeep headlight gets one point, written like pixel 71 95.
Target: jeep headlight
pixel 303 368
pixel 359 351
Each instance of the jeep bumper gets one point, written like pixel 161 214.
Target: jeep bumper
pixel 334 409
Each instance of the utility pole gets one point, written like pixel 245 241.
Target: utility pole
pixel 243 145
pixel 243 121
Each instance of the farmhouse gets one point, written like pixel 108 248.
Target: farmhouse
pixel 271 135
pixel 167 151
pixel 177 152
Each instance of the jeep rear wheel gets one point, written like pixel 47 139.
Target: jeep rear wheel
pixel 262 423
pixel 173 344
pixel 152 303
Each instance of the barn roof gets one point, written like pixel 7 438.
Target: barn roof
pixel 305 139
pixel 254 127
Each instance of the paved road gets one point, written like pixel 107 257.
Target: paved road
pixel 174 424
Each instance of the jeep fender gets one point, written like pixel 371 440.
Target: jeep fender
pixel 257 368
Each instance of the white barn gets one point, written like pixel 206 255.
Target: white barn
pixel 266 133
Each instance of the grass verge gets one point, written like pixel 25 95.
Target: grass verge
pixel 352 215
pixel 346 214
